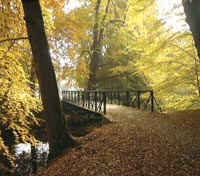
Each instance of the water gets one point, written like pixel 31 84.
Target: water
pixel 40 147
pixel 28 162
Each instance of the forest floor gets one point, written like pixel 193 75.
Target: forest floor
pixel 137 143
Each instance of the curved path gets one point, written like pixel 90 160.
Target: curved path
pixel 137 143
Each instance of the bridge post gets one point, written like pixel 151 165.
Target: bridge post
pixel 127 98
pixel 69 95
pixel 83 98
pixel 78 97
pixel 75 96
pixel 118 97
pixel 111 96
pixel 95 101
pixel 88 98
pixel 152 100
pixel 66 93
pixel 138 99
pixel 104 102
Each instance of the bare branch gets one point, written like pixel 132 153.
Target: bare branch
pixel 115 9
pixel 13 39
pixel 191 55
pixel 103 21
pixel 11 45
pixel 114 21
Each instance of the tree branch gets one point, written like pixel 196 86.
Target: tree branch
pixel 114 21
pixel 115 9
pixel 188 53
pixel 96 25
pixel 11 45
pixel 13 39
pixel 102 23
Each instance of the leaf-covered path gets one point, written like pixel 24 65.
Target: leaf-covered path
pixel 137 143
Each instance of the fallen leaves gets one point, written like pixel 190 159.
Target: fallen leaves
pixel 137 144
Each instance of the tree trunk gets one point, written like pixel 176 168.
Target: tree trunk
pixel 192 12
pixel 96 47
pixel 95 51
pixel 59 136
pixel 92 83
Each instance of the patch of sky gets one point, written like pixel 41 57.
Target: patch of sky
pixel 172 14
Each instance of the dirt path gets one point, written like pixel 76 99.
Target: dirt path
pixel 137 143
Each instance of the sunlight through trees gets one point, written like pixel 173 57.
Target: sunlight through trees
pixel 102 45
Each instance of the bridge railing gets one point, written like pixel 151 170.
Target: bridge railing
pixel 141 99
pixel 92 100
pixel 96 100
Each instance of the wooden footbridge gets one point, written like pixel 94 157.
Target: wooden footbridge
pixel 96 101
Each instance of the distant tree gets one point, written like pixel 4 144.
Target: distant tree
pixel 59 136
pixel 108 17
pixel 192 12
pixel 98 32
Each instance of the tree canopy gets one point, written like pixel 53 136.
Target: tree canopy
pixel 138 50
pixel 100 44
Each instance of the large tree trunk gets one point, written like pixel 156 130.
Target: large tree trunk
pixel 95 51
pixel 59 136
pixel 94 63
pixel 192 12
pixel 96 47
